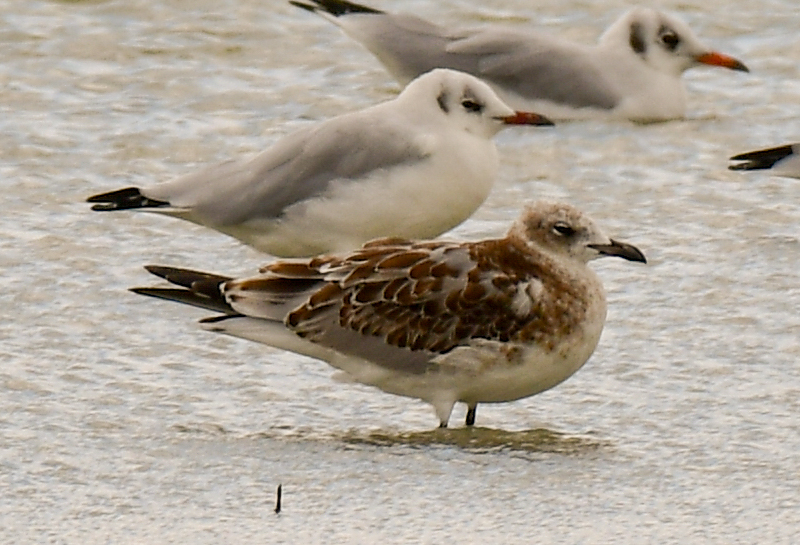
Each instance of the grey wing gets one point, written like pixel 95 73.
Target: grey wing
pixel 408 46
pixel 299 167
pixel 537 68
pixel 533 67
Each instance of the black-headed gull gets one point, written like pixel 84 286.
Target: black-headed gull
pixel 414 166
pixel 780 161
pixel 444 322
pixel 633 72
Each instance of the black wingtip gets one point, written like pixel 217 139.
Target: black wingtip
pixel 185 277
pixel 160 293
pixel 761 159
pixel 201 289
pixel 336 8
pixel 123 199
pixel 187 297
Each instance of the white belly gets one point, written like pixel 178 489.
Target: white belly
pixel 418 201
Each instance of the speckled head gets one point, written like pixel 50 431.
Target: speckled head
pixel 562 230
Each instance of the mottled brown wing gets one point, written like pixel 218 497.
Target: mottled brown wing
pixel 424 297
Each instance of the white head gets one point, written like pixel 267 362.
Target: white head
pixel 464 101
pixel 664 42
pixel 562 230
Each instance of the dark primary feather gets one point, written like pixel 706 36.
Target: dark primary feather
pixel 186 297
pixel 761 159
pixel 202 289
pixel 184 277
pixel 335 7
pixel 124 199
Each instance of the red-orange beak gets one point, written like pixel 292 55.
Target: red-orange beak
pixel 718 59
pixel 526 118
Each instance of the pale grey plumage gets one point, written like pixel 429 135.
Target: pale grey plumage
pixel 414 166
pixel 632 72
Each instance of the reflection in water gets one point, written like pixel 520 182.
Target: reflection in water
pixel 470 439
pixel 482 440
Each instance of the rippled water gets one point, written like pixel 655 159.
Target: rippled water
pixel 121 422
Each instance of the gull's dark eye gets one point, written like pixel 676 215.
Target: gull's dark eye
pixel 563 229
pixel 471 105
pixel 670 40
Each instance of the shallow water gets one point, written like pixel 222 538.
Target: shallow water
pixel 121 422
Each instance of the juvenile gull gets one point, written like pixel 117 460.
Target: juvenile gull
pixel 476 322
pixel 413 167
pixel 780 161
pixel 633 72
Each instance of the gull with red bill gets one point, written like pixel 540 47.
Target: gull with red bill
pixel 473 322
pixel 415 166
pixel 633 72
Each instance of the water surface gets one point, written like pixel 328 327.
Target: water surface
pixel 121 422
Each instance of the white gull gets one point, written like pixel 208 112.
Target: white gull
pixel 633 72
pixel 445 322
pixel 780 161
pixel 414 166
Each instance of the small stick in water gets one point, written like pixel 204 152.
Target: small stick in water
pixel 278 501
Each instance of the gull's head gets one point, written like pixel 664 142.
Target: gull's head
pixel 562 230
pixel 465 102
pixel 664 42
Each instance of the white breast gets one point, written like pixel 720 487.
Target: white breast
pixel 419 200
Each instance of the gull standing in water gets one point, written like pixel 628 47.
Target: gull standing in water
pixel 445 322
pixel 633 72
pixel 414 166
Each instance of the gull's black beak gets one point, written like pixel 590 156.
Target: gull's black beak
pixel 620 249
